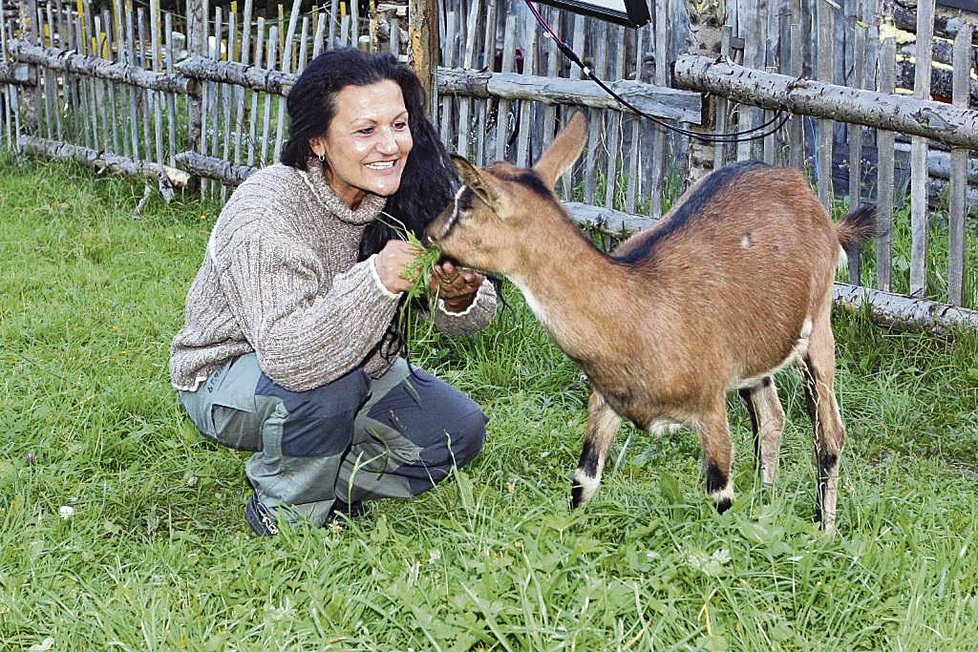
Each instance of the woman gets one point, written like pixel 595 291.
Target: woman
pixel 290 343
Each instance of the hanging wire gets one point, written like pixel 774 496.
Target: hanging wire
pixel 754 133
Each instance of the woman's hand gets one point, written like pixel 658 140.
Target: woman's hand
pixel 393 262
pixel 456 286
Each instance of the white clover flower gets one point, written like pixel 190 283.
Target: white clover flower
pixel 66 512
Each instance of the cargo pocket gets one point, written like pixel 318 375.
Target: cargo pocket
pixel 231 416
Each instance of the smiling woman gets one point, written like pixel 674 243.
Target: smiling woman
pixel 290 344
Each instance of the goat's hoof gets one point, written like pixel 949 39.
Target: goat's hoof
pixel 723 505
pixel 577 496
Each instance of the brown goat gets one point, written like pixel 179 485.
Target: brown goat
pixel 734 283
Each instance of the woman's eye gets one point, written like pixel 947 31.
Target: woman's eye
pixel 401 125
pixel 366 131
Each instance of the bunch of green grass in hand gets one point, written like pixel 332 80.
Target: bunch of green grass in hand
pixel 418 273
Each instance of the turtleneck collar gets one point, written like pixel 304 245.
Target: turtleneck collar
pixel 365 213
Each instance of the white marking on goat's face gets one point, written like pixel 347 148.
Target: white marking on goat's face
pixel 453 219
pixel 589 486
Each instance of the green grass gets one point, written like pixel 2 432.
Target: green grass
pixel 157 555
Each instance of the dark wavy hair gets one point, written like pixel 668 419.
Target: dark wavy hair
pixel 428 183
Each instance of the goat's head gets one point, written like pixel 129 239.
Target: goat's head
pixel 496 213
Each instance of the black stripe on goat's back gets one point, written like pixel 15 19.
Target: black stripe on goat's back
pixel 533 182
pixel 696 204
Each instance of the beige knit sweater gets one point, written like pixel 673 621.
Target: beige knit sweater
pixel 280 278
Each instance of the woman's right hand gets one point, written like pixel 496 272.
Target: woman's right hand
pixel 392 263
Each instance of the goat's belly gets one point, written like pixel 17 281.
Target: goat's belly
pixel 747 376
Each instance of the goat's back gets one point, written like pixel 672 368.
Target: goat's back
pixel 748 248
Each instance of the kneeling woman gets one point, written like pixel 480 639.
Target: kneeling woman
pixel 290 344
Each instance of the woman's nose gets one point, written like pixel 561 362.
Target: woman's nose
pixel 387 143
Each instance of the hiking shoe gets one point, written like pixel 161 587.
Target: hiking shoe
pixel 260 518
pixel 355 510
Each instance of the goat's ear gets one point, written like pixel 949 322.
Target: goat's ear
pixel 478 181
pixel 563 151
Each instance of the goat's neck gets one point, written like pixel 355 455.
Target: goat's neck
pixel 574 290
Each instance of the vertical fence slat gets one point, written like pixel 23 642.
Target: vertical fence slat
pixel 962 63
pixel 524 120
pixel 825 127
pixel 448 60
pixel 253 129
pixel 615 125
pixel 856 138
pixel 156 49
pixel 596 127
pixel 468 62
pixel 885 141
pixel 171 100
pixel 631 192
pixel 270 61
pixel 240 95
pixel 918 154
pixel 659 137
pixel 486 105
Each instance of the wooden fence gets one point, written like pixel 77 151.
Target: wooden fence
pixel 124 89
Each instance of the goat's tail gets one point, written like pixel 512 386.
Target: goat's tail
pixel 857 227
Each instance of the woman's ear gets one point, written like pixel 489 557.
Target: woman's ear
pixel 317 146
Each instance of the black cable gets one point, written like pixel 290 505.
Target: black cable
pixel 778 120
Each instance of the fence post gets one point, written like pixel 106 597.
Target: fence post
pixel 196 44
pixel 27 10
pixel 424 37
pixel 706 19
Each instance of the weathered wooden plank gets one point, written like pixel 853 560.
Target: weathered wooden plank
pixel 270 59
pixel 214 168
pixel 669 103
pixel 908 312
pixel 958 208
pixel 92 66
pixel 101 160
pixel 884 172
pixel 17 73
pixel 259 77
pixel 825 127
pixel 942 122
pixel 918 155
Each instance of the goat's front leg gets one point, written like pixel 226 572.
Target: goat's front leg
pixel 714 432
pixel 602 425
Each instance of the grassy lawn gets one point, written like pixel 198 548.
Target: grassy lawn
pixel 157 554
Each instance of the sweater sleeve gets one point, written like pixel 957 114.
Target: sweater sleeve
pixel 306 330
pixel 474 318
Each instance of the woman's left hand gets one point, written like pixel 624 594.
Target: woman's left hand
pixel 456 286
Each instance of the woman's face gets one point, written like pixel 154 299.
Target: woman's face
pixel 367 144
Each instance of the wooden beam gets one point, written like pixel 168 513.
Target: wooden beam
pixel 168 177
pixel 229 72
pixel 17 73
pixel 669 103
pixel 944 123
pixel 423 53
pixel 90 66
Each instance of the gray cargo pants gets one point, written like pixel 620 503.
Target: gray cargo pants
pixel 351 440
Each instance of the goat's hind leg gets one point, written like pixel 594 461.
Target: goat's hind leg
pixel 602 425
pixel 767 424
pixel 818 371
